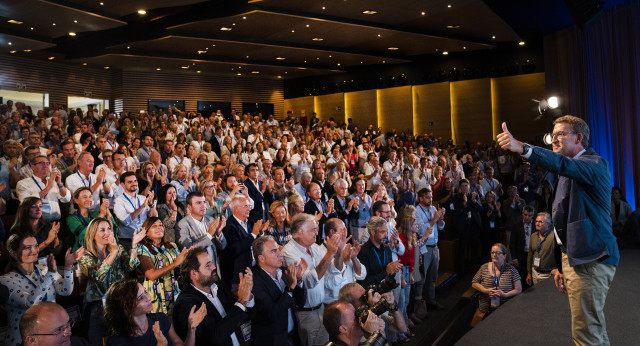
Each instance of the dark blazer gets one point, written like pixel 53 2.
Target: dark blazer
pixel 461 210
pixel 311 208
pixel 369 260
pixel 517 241
pixel 270 324
pixel 213 330
pixel 215 146
pixel 237 255
pixel 326 190
pixel 582 205
pixel 342 213
pixel 258 200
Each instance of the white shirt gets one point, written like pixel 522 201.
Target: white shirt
pixel 31 187
pixel 175 160
pixel 292 252
pixel 300 165
pixel 77 180
pixel 123 206
pixel 348 276
pixel 421 183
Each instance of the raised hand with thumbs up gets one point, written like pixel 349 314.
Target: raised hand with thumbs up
pixel 507 142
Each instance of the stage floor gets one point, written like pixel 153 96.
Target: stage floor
pixel 541 316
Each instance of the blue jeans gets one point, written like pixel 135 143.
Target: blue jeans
pixel 403 299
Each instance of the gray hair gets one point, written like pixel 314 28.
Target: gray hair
pixel 340 181
pixel 236 200
pixel 299 221
pixel 376 222
pixel 258 245
pixel 305 175
pixel 547 216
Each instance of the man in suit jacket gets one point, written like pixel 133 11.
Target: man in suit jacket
pixel 468 223
pixel 260 193
pixel 277 291
pixel 520 237
pixel 316 205
pixel 240 234
pixel 325 188
pixel 582 222
pixel 375 256
pixel 346 208
pixel 199 230
pixel 228 320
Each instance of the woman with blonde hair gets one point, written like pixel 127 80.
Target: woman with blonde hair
pixel 279 227
pixel 215 205
pixel 183 182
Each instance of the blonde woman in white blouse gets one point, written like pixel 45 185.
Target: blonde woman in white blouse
pixel 31 283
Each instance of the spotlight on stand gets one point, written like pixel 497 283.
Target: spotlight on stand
pixel 548 108
pixel 547 138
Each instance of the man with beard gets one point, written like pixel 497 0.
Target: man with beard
pixel 228 319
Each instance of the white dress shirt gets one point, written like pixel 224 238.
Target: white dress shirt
pixel 31 187
pixel 123 206
pixel 78 180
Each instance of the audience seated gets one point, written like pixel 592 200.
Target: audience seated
pixel 170 211
pixel 78 221
pixel 29 221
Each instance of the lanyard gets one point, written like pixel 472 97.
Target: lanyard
pixel 179 162
pixel 35 269
pixel 496 278
pixel 538 244
pixel 82 219
pixel 83 182
pixel 34 180
pixel 384 256
pixel 134 207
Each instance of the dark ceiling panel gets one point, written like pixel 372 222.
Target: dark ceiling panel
pixel 126 7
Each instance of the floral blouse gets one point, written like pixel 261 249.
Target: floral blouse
pixel 101 276
pixel 165 289
pixel 27 290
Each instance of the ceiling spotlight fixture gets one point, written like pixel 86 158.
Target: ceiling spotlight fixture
pixel 293 31
pixel 317 39
pixel 54 24
pixel 13 21
pixel 106 67
pixel 9 43
pixel 548 107
pixel 102 4
pixel 247 57
pixel 305 61
pixel 423 13
pixel 280 58
pixel 224 28
pixel 392 48
pixel 27 50
pixel 338 64
pixel 255 72
pixel 75 21
pixel 202 51
pixel 233 24
pixel 72 34
pixel 31 28
pixel 324 8
pixel 184 67
pixel 84 64
pixel 307 25
pixel 158 69
pixel 238 74
pixel 285 72
pixel 379 35
pixel 331 56
pixel 207 48
pixel 455 26
pixel 198 71
pixel 361 62
pixel 465 47
pixel 547 139
pixel 12 51
pixel 244 17
pixel 128 47
pixel 448 6
pixel 142 12
pixel 493 37
pixel 445 53
pixel 521 43
pixel 369 12
pixel 279 77
pixel 384 61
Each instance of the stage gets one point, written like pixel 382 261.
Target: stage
pixel 541 316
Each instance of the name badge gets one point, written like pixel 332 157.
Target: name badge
pixel 451 206
pixel 468 214
pixel 526 189
pixel 492 224
pixel 536 262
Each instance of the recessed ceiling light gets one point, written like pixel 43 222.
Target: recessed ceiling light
pixel 202 51
pixel 9 43
pixel 493 37
pixel 361 62
pixel 449 6
pixel 423 13
pixel 379 35
pixel 279 77
pixel 238 74
pixel 142 12
pixel 445 53
pixel 280 58
pixel 369 12
pixel 84 64
pixel 255 72
pixel 317 58
pixel 324 8
pixel 244 17
pixel 233 24
pixel 207 48
pixel 72 34
pixel 54 24
pixel 158 69
pixel 338 64
pixel 247 57
pixel 12 51
pixel 102 4
pixel 455 26
pixel 317 39
pixel 224 28
pixel 13 21
pixel 75 21
pixel 27 50
pixel 198 71
pixel 285 72
pixel 521 43
pixel 239 66
pixel 384 62
pixel 465 47
pixel 128 47
pixel 31 28
pixel 305 61
pixel 331 56
pixel 106 67
pixel 293 31
pixel 184 67
pixel 392 48
pixel 307 25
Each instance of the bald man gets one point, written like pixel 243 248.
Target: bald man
pixel 47 324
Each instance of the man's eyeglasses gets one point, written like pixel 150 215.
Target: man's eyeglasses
pixel 46 163
pixel 58 331
pixel 561 134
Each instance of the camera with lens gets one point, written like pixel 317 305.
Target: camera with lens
pixel 382 306
pixel 389 283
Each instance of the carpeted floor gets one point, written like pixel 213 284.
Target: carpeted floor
pixel 540 315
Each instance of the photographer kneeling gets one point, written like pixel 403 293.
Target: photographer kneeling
pixel 345 329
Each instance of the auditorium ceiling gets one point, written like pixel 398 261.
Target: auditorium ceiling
pixel 263 38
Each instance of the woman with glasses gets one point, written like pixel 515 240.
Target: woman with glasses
pixel 129 317
pixel 497 281
pixel 31 283
pixel 170 211
pixel 78 222
pixel 158 260
pixel 29 221
pixel 104 263
pixel 215 205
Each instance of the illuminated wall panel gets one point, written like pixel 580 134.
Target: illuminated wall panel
pixel 361 106
pixel 471 111
pixel 299 104
pixel 330 106
pixel 511 102
pixel 395 109
pixel 432 109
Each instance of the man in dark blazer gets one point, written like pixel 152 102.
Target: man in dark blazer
pixel 468 225
pixel 520 235
pixel 228 319
pixel 240 234
pixel 582 222
pixel 325 188
pixel 315 205
pixel 346 208
pixel 259 193
pixel 375 256
pixel 277 293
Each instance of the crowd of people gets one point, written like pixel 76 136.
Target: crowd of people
pixel 241 229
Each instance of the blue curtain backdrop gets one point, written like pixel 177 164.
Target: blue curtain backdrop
pixel 596 69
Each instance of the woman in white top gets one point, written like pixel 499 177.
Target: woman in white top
pixel 31 283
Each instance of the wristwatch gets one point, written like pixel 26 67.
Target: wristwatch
pixel 527 149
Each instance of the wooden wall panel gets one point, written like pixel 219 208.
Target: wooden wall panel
pixel 432 103
pixel 395 109
pixel 362 107
pixel 471 111
pixel 330 106
pixel 299 104
pixel 511 102
pixel 138 87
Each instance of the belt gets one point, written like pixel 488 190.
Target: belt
pixel 434 245
pixel 542 271
pixel 311 309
